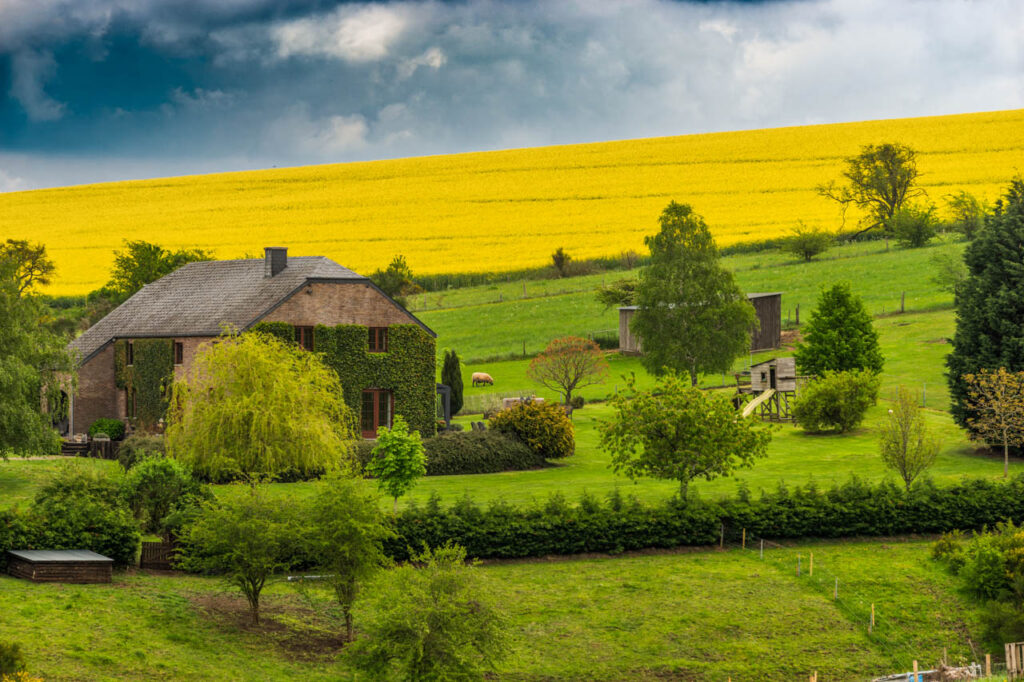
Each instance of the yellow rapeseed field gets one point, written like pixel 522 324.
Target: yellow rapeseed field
pixel 503 210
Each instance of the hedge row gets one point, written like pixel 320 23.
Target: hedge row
pixel 621 524
pixel 469 452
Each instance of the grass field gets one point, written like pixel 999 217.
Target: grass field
pixel 690 616
pixel 497 211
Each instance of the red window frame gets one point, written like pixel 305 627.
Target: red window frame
pixel 378 339
pixel 304 337
pixel 377 409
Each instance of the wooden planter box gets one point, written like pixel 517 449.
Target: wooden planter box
pixel 60 566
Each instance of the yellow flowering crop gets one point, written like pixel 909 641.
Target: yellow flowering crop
pixel 496 211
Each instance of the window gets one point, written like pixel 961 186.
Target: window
pixel 378 339
pixel 377 410
pixel 129 403
pixel 304 337
pixel 179 352
pixel 131 353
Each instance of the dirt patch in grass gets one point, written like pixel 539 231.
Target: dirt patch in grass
pixel 299 631
pixel 790 338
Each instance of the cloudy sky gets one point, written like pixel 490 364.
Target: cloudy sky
pixel 94 90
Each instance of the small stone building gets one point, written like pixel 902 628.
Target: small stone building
pixel 384 353
pixel 767 307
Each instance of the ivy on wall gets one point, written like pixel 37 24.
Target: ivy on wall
pixel 407 368
pixel 149 376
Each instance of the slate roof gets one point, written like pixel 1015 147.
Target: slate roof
pixel 199 298
pixel 46 556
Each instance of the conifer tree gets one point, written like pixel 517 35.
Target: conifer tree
pixel 451 376
pixel 990 303
pixel 840 335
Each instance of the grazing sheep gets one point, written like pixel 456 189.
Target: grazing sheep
pixel 480 378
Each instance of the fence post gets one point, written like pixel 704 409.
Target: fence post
pixel 524 289
pixel 798 314
pixel 744 538
pixel 762 549
pixel 903 300
pixel 798 565
pixel 871 626
pixel 810 571
pixel 915 671
pixel 835 591
pixel 721 536
pixel 924 394
pixel 988 665
pixel 524 348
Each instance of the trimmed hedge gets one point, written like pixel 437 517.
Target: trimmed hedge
pixel 617 524
pixel 543 426
pixel 114 428
pixel 468 452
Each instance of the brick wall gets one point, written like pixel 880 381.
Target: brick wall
pixel 339 303
pixel 97 396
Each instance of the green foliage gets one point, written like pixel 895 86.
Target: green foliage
pixel 11 659
pixel 692 316
pixel 879 180
pixel 398 459
pixel 966 214
pixel 542 426
pixel 840 336
pixel 149 376
pixel 621 292
pixel 345 535
pixel 906 445
pixel 913 226
pixel 432 622
pixel 680 433
pixel 81 509
pixel 560 260
pixel 253 406
pixel 408 369
pixel 396 280
pixel 568 364
pixel 806 243
pixel 451 376
pixel 35 367
pixel 156 486
pixel 281 330
pixel 141 263
pixel 991 303
pixel 478 452
pixel 138 445
pixel 113 428
pixel 247 539
pixel 949 272
pixel 32 267
pixel 836 401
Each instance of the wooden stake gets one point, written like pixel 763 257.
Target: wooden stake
pixel 835 591
pixel 988 665
pixel 798 314
pixel 721 536
pixel 903 300
pixel 915 671
pixel 810 570
pixel 798 564
pixel 872 626
pixel 744 538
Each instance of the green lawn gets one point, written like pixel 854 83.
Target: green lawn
pixel 689 616
pixel 478 326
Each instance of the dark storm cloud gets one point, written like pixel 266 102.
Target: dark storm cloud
pixel 102 89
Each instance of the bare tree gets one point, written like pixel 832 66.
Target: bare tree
pixel 996 399
pixel 569 364
pixel 906 444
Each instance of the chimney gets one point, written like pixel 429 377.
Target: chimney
pixel 275 261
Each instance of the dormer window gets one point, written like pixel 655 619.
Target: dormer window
pixel 378 339
pixel 304 337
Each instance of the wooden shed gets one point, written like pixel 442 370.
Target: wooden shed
pixel 777 373
pixel 767 306
pixel 60 566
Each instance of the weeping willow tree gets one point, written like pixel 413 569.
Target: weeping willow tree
pixel 254 407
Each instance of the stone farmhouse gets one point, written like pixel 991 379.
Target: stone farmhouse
pixel 384 355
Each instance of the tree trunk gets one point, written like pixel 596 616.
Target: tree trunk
pixel 682 489
pixel 1006 459
pixel 348 626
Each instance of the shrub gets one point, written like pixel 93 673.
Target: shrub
pixel 542 426
pixel 577 402
pixel 478 452
pixel 398 459
pixel 836 401
pixel 137 446
pixel 114 428
pixel 914 226
pixel 156 486
pixel 11 659
pixel 806 243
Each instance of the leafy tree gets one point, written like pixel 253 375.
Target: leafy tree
pixel 879 180
pixel 949 272
pixel 692 317
pixel 396 280
pixel 680 433
pixel 906 445
pixel 35 367
pixel 246 539
pixel 995 400
pixel 141 263
pixel 155 486
pixel 543 426
pixel 560 259
pixel 398 459
pixel 990 305
pixel 253 406
pixel 836 400
pixel 621 292
pixel 568 364
pixel 32 266
pixel 432 622
pixel 808 242
pixel 12 661
pixel 913 226
pixel 840 335
pixel 346 532
pixel 966 213
pixel 451 376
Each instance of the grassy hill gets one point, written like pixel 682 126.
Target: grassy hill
pixel 498 211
